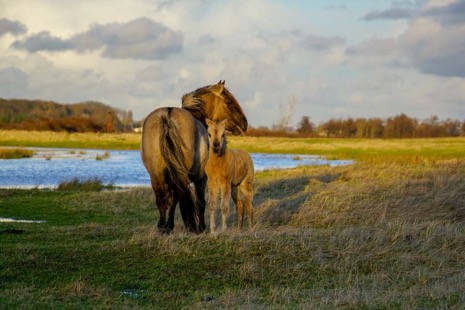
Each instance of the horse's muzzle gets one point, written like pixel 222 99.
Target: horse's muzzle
pixel 217 149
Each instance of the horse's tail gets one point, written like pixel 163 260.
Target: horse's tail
pixel 176 172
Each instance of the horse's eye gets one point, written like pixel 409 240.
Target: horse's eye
pixel 209 135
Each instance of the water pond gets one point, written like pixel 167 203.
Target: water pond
pixel 48 167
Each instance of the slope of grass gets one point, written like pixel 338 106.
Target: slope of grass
pixel 371 235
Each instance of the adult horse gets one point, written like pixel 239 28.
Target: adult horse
pixel 175 151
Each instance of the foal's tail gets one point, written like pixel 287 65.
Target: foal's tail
pixel 177 173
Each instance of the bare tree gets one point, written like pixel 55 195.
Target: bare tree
pixel 285 110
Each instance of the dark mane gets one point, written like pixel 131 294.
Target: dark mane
pixel 192 103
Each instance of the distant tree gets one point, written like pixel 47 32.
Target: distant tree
pixel 109 124
pixel 332 127
pixel 285 113
pixel 452 128
pixel 348 128
pixel 375 128
pixel 305 126
pixel 400 126
pixel 361 127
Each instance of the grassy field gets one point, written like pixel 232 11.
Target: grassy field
pixel 382 233
pixel 361 149
pixel 22 138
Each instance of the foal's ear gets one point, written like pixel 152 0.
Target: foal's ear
pixel 209 122
pixel 224 122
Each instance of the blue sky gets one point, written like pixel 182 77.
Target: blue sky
pixel 333 58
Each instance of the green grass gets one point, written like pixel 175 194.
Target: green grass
pixel 370 236
pixel 386 232
pixel 123 141
pixel 367 150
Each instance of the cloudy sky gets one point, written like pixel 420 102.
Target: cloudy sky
pixel 333 58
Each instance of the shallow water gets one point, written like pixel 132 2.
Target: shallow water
pixel 48 167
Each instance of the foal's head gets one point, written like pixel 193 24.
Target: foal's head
pixel 216 136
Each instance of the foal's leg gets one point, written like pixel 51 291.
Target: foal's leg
pixel 225 197
pixel 212 199
pixel 247 191
pixel 200 186
pixel 236 197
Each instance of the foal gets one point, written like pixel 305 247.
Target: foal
pixel 231 172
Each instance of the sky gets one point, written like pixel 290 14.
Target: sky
pixel 326 59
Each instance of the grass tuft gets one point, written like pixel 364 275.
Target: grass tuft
pixel 89 185
pixel 15 153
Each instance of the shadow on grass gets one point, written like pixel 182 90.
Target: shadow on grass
pixel 277 201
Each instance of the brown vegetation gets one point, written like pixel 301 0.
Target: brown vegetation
pixel 45 115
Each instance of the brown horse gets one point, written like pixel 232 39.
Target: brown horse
pixel 174 151
pixel 231 172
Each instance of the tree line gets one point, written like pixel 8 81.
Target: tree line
pixel 399 126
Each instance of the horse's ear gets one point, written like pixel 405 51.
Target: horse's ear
pixel 217 89
pixel 223 82
pixel 224 122
pixel 209 122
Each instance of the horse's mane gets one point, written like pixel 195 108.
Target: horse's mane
pixel 192 103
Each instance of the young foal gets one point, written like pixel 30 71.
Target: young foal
pixel 231 172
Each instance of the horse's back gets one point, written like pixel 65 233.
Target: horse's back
pixel 188 129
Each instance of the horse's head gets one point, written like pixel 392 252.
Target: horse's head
pixel 216 136
pixel 217 104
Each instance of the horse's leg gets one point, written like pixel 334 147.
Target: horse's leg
pixel 225 197
pixel 200 186
pixel 169 226
pixel 187 206
pixel 212 199
pixel 236 197
pixel 160 200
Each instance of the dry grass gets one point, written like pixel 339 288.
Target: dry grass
pixel 365 236
pixel 14 153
